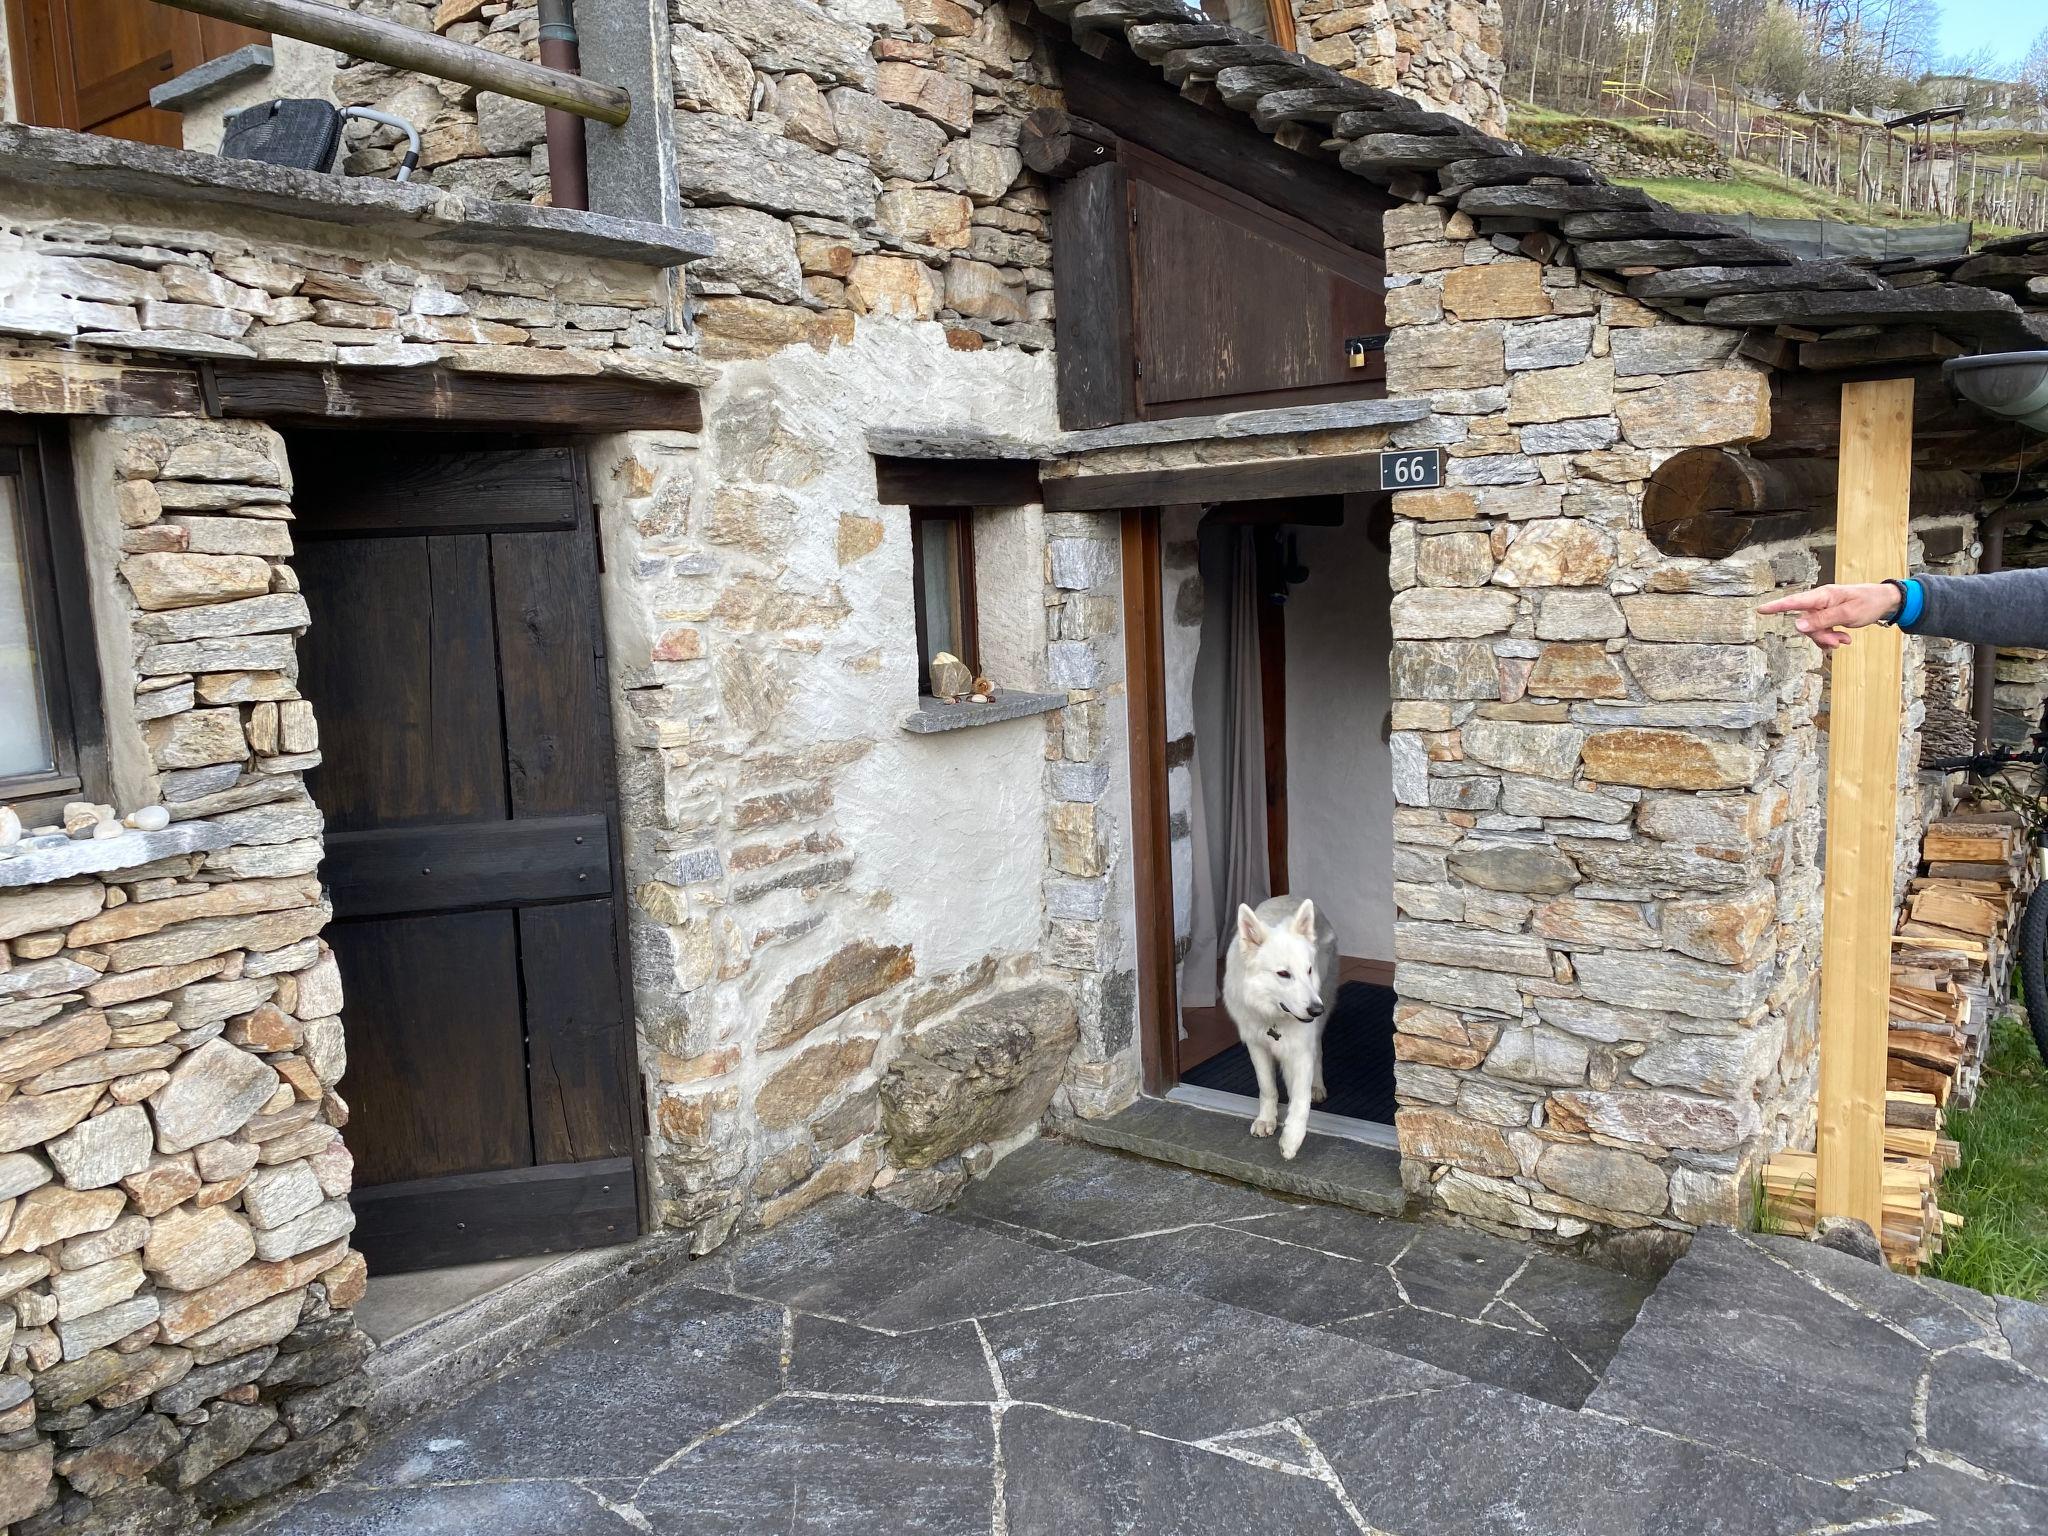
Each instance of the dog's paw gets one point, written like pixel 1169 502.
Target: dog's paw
pixel 1317 1094
pixel 1263 1126
pixel 1291 1139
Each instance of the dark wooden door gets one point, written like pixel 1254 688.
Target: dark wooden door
pixel 90 64
pixel 455 660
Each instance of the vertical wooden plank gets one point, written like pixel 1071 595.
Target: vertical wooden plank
pixel 546 585
pixel 399 663
pixel 576 1074
pixel 1091 281
pixel 1144 671
pixel 436 1068
pixel 1863 754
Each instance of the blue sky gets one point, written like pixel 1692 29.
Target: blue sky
pixel 2008 26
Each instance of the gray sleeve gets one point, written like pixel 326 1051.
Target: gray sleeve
pixel 2004 608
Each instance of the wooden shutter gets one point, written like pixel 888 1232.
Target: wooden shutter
pixel 1238 306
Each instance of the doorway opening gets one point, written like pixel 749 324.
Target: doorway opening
pixel 455 662
pixel 1260 637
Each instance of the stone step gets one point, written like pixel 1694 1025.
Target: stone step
pixel 1332 1169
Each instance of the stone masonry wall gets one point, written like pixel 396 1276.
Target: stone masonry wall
pixel 1605 765
pixel 860 160
pixel 85 270
pixel 173 1184
pixel 1446 54
pixel 836 922
pixel 470 140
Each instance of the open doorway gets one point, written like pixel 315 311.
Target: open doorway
pixel 1260 688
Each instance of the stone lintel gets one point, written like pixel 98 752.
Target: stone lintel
pixel 1336 416
pixel 57 159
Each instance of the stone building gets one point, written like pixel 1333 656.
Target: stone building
pixel 521 619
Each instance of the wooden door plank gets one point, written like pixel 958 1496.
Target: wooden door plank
pixel 1145 669
pixel 509 1215
pixel 437 1068
pixel 400 661
pixel 1863 751
pixel 386 871
pixel 546 588
pixel 577 1072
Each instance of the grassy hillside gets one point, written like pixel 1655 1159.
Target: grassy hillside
pixel 1754 188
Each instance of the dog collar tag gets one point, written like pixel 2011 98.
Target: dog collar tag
pixel 1273 1033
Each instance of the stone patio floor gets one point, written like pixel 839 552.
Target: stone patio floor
pixel 1093 1344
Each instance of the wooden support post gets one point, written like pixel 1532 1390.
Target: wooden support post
pixel 1863 762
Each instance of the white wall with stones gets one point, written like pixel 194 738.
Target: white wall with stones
pixel 817 889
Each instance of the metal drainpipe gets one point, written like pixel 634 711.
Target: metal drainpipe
pixel 568 181
pixel 1984 666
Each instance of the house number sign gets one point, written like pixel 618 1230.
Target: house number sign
pixel 1412 469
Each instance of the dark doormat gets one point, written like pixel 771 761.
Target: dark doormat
pixel 1358 1058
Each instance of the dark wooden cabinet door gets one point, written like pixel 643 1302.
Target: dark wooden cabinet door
pixel 455 661
pixel 90 64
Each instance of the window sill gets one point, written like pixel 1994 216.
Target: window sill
pixel 38 861
pixel 931 716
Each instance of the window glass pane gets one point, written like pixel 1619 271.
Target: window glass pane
pixel 938 586
pixel 1246 15
pixel 26 744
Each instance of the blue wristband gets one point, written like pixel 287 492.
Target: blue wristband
pixel 1913 604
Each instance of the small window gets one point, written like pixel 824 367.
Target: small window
pixel 942 563
pixel 49 693
pixel 1271 19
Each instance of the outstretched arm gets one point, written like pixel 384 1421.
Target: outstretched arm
pixel 2003 608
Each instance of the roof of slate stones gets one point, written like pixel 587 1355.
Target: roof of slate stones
pixel 1694 266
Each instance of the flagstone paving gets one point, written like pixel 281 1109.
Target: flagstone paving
pixel 1091 1344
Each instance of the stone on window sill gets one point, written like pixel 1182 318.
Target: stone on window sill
pixel 37 861
pixel 933 715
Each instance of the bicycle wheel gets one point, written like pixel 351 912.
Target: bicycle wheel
pixel 2034 965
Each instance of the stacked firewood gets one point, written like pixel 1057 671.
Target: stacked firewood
pixel 1951 963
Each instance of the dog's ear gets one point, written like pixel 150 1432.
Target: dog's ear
pixel 1250 931
pixel 1304 920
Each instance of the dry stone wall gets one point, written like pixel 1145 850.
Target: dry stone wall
pixel 1605 765
pixel 470 140
pixel 1444 54
pixel 86 271
pixel 861 160
pixel 175 1264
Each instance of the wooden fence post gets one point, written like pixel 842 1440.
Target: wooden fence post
pixel 1863 758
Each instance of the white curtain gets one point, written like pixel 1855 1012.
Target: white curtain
pixel 1228 783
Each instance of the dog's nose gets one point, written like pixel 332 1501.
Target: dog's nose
pixel 1315 1010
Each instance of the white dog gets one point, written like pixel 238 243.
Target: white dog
pixel 1278 984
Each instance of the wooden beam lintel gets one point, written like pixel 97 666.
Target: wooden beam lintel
pixel 1328 475
pixel 51 384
